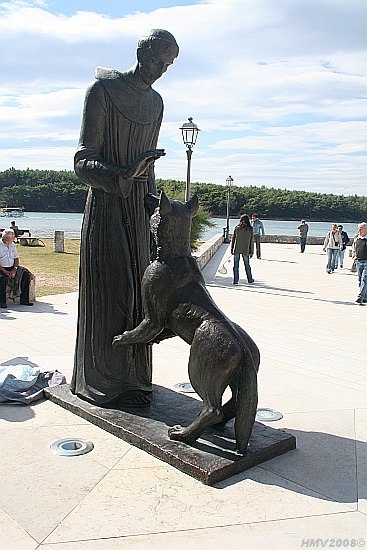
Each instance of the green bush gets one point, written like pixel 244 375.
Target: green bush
pixel 199 223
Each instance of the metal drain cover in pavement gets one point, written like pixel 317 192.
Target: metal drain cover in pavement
pixel 184 387
pixel 71 446
pixel 268 415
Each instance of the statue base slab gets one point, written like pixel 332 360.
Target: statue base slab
pixel 212 458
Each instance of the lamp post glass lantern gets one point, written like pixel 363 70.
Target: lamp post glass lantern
pixel 189 136
pixel 229 183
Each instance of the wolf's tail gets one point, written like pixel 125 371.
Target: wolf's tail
pixel 246 403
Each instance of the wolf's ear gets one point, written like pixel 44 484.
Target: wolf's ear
pixel 164 204
pixel 150 202
pixel 193 205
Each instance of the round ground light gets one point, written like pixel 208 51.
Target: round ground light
pixel 268 415
pixel 184 387
pixel 71 446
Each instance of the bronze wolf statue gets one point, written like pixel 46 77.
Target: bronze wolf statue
pixel 176 301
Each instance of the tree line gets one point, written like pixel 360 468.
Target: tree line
pixel 42 190
pixel 62 191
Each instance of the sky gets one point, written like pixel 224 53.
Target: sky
pixel 278 88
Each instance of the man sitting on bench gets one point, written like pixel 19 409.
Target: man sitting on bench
pixel 15 228
pixel 9 264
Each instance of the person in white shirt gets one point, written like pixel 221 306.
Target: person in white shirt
pixel 9 263
pixel 332 244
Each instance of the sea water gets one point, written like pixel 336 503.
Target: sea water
pixel 44 224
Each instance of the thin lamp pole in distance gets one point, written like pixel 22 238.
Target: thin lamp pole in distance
pixel 229 183
pixel 189 136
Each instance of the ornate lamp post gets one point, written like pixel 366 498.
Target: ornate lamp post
pixel 189 135
pixel 229 183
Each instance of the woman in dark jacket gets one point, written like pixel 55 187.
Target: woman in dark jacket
pixel 242 244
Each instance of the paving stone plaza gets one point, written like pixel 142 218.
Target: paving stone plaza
pixel 312 339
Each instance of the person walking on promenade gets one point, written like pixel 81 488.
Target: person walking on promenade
pixel 360 255
pixel 303 230
pixel 332 244
pixel 242 244
pixel 340 256
pixel 258 229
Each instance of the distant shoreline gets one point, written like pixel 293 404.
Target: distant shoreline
pixel 44 224
pixel 308 220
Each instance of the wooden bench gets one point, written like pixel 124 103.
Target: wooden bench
pixel 19 233
pixel 23 232
pixel 23 240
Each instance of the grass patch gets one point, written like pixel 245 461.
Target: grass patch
pixel 56 273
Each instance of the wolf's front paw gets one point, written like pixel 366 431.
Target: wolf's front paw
pixel 178 433
pixel 175 432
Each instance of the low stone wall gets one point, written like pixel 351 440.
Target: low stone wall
pixel 32 292
pixel 290 239
pixel 207 250
pixel 287 239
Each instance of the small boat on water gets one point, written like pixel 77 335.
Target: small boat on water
pixel 12 212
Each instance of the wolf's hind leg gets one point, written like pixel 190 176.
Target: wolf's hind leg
pixel 246 406
pixel 210 414
pixel 229 408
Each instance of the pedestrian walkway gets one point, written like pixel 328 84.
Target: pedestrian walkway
pixel 312 339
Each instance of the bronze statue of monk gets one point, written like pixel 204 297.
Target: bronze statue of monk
pixel 115 157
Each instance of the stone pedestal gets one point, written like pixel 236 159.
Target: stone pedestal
pixel 59 241
pixel 32 292
pixel 210 459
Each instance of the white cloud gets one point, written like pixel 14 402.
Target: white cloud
pixel 277 88
pixel 42 158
